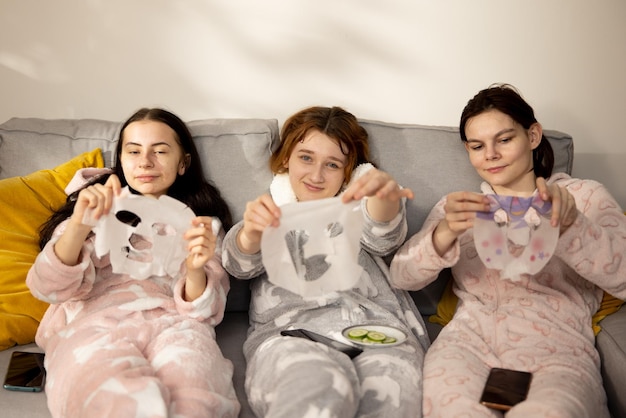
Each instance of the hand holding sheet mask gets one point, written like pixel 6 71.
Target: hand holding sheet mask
pixel 515 236
pixel 143 235
pixel 315 249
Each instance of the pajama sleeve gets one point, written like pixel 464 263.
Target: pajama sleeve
pixel 417 264
pixel 240 265
pixel 595 244
pixel 54 282
pixel 382 238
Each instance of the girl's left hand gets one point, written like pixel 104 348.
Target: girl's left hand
pixel 564 210
pixel 376 183
pixel 201 242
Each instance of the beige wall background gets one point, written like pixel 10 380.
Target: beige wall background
pixel 412 61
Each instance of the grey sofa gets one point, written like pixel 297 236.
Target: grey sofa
pixel 430 160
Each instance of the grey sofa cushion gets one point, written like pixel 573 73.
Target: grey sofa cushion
pixel 611 344
pixel 237 148
pixel 30 144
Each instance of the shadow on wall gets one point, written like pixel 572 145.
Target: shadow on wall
pixel 208 56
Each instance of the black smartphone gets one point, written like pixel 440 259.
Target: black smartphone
pixel 26 372
pixel 505 388
pixel 350 350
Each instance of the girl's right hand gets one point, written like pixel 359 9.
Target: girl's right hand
pixel 461 208
pixel 260 213
pixel 460 211
pixel 97 198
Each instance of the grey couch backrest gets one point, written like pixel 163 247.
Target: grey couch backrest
pixel 234 152
pixel 430 160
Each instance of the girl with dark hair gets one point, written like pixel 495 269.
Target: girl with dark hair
pixel 118 345
pixel 324 153
pixel 190 187
pixel 537 322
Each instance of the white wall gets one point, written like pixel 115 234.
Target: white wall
pixel 412 61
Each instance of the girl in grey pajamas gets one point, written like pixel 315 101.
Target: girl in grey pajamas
pixel 293 377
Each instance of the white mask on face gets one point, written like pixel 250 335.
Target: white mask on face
pixel 143 235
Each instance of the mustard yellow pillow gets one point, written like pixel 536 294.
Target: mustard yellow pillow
pixel 25 204
pixel 446 306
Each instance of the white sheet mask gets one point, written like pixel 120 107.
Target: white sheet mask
pixel 515 236
pixel 315 249
pixel 143 235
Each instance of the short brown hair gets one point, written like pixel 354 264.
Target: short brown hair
pixel 337 123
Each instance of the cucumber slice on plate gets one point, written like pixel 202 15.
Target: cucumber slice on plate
pixel 357 333
pixel 376 336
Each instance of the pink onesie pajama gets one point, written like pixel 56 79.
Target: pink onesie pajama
pixel 120 347
pixel 540 324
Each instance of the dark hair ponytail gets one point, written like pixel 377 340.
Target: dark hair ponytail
pixel 506 99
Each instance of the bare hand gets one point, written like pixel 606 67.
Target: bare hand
pixel 260 213
pixel 460 211
pixel 98 198
pixel 376 183
pixel 564 210
pixel 461 208
pixel 201 242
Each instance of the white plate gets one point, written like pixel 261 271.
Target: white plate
pixel 398 334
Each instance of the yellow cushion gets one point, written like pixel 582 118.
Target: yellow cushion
pixel 447 306
pixel 609 305
pixel 25 204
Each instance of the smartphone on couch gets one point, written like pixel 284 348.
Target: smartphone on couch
pixel 505 388
pixel 26 372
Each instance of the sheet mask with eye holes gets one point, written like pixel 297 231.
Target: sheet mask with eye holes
pixel 143 235
pixel 315 249
pixel 515 236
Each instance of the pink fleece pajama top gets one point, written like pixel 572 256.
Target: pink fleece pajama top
pixel 540 324
pixel 117 346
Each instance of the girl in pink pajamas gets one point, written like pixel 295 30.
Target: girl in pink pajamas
pixel 540 323
pixel 117 346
